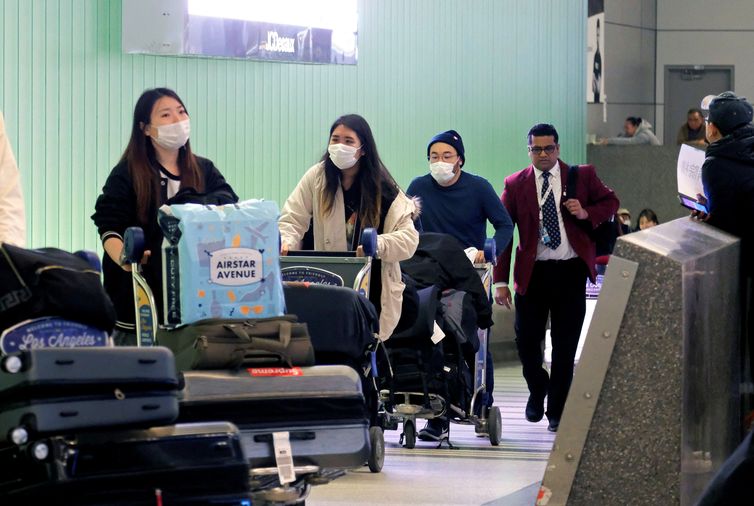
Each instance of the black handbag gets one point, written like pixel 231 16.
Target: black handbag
pixel 601 232
pixel 219 343
pixel 51 282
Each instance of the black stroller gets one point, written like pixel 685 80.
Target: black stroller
pixel 430 378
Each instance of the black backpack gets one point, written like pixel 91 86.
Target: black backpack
pixel 51 282
pixel 605 234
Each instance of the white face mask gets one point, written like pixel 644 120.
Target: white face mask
pixel 442 172
pixel 344 157
pixel 174 135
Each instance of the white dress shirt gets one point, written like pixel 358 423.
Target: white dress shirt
pixel 564 251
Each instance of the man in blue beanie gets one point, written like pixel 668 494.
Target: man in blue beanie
pixel 456 202
pixel 460 204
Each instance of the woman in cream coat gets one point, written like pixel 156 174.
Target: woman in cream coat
pixel 347 191
pixel 12 218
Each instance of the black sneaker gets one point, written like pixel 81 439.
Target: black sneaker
pixel 435 430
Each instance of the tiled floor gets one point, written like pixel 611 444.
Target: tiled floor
pixel 473 473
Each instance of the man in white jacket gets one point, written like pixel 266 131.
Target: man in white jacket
pixel 12 217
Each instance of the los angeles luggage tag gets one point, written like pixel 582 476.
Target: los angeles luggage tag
pixel 50 332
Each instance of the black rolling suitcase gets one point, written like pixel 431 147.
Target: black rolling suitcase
pixel 321 408
pixel 180 464
pixel 53 391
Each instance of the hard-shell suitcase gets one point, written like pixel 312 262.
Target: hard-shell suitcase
pixel 51 391
pixel 182 464
pixel 321 408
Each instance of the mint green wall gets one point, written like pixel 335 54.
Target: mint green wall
pixel 487 68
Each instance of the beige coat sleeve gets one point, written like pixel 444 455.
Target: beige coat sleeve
pixel 298 210
pixel 401 242
pixel 12 215
pixel 398 244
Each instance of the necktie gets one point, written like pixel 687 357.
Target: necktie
pixel 550 214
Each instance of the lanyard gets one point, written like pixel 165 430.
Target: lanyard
pixel 541 198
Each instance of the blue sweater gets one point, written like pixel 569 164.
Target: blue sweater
pixel 462 210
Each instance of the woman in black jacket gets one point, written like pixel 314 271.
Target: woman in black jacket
pixel 156 165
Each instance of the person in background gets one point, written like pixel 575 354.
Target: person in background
pixel 635 131
pixel 348 190
pixel 157 163
pixel 693 131
pixel 624 216
pixel 647 219
pixel 728 182
pixel 554 257
pixel 606 234
pixel 12 215
pixel 728 170
pixel 459 203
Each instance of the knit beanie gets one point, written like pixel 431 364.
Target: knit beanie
pixel 449 137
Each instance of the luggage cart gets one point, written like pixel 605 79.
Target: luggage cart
pixel 413 405
pixel 489 420
pixel 267 485
pixel 344 269
pixel 335 268
pixel 134 245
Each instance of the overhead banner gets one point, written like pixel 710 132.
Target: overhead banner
pixel 306 31
pixel 595 50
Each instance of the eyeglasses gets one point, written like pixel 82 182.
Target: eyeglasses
pixel 537 150
pixel 446 157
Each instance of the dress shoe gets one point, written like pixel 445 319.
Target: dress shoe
pixel 535 408
pixel 553 425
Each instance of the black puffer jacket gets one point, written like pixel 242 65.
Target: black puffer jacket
pixel 115 211
pixel 440 260
pixel 728 178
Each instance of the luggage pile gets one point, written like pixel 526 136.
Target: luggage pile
pixel 243 360
pixel 93 426
pixel 300 423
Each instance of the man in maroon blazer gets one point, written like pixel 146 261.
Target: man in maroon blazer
pixel 553 259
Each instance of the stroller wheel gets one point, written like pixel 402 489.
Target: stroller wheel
pixel 495 425
pixel 377 452
pixel 409 432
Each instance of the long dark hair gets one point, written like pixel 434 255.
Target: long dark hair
pixel 142 161
pixel 374 179
pixel 649 215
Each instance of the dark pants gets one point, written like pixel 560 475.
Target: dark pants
pixel 557 289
